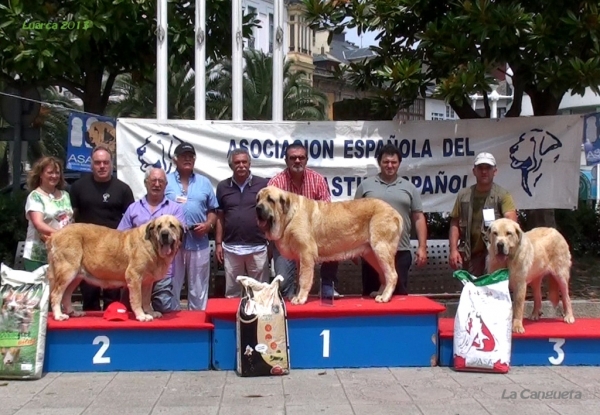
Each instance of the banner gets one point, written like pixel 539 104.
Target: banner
pixel 538 157
pixel 85 133
pixel 591 138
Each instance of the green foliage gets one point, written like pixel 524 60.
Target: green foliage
pixel 109 38
pixel 580 228
pixel 14 225
pixel 550 45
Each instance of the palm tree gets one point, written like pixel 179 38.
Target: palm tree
pixel 301 100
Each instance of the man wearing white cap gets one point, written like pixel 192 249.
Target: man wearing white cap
pixel 476 207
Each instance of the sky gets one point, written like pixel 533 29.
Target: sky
pixel 368 39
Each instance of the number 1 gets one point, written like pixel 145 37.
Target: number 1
pixel 325 335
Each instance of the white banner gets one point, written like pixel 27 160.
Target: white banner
pixel 538 157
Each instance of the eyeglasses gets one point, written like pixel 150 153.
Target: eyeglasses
pixel 299 158
pixel 159 181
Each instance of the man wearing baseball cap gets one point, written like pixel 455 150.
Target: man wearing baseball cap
pixel 196 195
pixel 476 207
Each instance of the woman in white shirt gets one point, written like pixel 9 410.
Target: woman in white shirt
pixel 48 209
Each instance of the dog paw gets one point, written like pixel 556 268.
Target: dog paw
pixel 144 317
pixel 569 319
pixel 61 317
pixel 298 301
pixel 381 299
pixel 535 315
pixel 517 327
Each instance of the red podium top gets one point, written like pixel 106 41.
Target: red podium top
pixel 181 320
pixel 583 328
pixel 226 308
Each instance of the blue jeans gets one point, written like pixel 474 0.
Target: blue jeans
pixel 162 296
pixel 370 277
pixel 287 269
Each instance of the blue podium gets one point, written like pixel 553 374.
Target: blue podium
pixel 353 333
pixel 547 342
pixel 177 341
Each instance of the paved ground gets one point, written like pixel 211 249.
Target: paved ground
pixel 434 391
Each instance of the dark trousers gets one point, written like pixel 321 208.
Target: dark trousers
pixel 91 296
pixel 370 277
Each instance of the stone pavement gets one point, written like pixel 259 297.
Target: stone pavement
pixel 406 391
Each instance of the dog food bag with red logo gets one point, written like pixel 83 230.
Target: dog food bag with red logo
pixel 261 328
pixel 23 316
pixel 483 323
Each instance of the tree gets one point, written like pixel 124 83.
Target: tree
pixel 84 45
pixel 551 47
pixel 301 100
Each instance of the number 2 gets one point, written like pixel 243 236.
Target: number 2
pixel 560 353
pixel 325 335
pixel 99 357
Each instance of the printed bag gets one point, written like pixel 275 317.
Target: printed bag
pixel 483 323
pixel 23 318
pixel 261 328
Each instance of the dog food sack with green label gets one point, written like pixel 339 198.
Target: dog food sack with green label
pixel 483 323
pixel 23 318
pixel 261 328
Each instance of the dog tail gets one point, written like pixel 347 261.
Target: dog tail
pixel 553 291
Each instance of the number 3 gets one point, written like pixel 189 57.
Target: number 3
pixel 560 353
pixel 99 357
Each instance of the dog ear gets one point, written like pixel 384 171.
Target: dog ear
pixel 181 232
pixel 149 230
pixel 285 204
pixel 519 233
pixel 549 143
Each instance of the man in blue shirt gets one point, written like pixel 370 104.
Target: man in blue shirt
pixel 196 196
pixel 150 207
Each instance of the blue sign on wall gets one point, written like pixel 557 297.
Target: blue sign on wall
pixel 85 133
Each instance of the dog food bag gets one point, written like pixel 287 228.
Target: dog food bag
pixel 483 323
pixel 261 328
pixel 23 317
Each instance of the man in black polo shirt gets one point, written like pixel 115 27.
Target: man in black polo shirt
pixel 240 244
pixel 101 199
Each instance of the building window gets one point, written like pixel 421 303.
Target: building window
pixel 292 37
pixel 449 112
pixel 314 36
pixel 437 116
pixel 271 25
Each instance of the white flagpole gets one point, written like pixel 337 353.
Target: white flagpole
pixel 237 72
pixel 162 59
pixel 279 13
pixel 200 60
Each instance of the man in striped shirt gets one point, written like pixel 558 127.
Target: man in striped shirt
pixel 299 179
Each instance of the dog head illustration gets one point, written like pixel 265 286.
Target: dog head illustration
pixel 157 151
pixel 102 133
pixel 533 150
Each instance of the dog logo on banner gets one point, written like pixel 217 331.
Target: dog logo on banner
pixel 533 155
pixel 157 151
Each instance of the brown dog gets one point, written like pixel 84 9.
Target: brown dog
pixel 529 257
pixel 109 258
pixel 311 231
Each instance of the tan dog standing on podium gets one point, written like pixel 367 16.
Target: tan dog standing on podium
pixel 110 258
pixel 311 231
pixel 529 257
